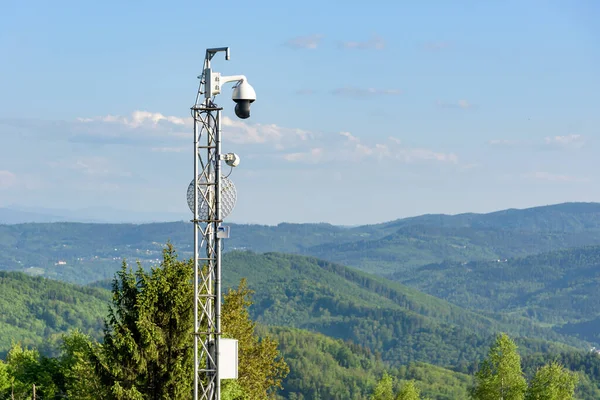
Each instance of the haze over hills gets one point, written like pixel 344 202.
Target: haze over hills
pixel 103 215
pixel 395 246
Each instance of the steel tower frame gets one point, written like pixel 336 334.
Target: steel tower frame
pixel 207 269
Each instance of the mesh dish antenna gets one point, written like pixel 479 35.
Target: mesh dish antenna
pixel 206 196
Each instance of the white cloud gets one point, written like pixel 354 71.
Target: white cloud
pixel 7 179
pixel 550 177
pixel 352 149
pixel 140 118
pixel 567 141
pixel 240 132
pixel 374 43
pixel 143 126
pixel 305 42
pixel 312 156
pixel 349 136
pixel 361 92
pixel 140 128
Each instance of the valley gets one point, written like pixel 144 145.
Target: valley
pixel 426 293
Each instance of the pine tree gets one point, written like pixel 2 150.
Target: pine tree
pixel 148 351
pixel 500 376
pixel 148 347
pixel 552 382
pixel 409 392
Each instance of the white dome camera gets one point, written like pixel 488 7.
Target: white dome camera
pixel 243 95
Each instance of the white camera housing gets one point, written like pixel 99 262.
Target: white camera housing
pixel 243 93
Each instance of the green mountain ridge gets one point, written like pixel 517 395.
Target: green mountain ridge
pixel 375 325
pixel 553 288
pixel 82 253
pixel 402 324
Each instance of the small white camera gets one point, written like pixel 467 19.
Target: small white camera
pixel 232 159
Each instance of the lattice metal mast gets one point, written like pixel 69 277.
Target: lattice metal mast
pixel 212 200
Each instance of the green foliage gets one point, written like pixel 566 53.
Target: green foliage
pixel 585 365
pixel 147 351
pixel 25 368
pixel 550 288
pixel 261 368
pixel 384 390
pixel 78 368
pixel 326 368
pixel 392 319
pixel 552 382
pixel 33 309
pixel 5 378
pixel 409 391
pixel 500 375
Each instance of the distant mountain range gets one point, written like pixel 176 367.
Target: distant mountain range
pixel 22 215
pixel 387 248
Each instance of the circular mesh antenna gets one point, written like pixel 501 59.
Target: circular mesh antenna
pixel 228 197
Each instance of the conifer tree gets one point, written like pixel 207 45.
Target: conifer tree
pixel 148 347
pixel 148 351
pixel 500 376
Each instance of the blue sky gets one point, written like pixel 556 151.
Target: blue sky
pixel 366 111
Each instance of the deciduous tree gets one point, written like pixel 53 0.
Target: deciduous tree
pixel 409 392
pixel 552 382
pixel 384 390
pixel 261 367
pixel 500 376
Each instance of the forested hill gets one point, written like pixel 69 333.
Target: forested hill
pixel 87 252
pixel 34 309
pixel 398 322
pixel 564 217
pixel 392 327
pixel 553 288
